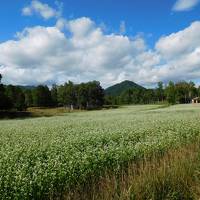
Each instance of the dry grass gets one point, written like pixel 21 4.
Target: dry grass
pixel 176 175
pixel 48 112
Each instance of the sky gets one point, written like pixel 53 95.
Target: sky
pixel 53 41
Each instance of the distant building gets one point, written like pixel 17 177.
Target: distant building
pixel 196 100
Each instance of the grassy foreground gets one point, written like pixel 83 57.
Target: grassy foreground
pixel 175 175
pixel 128 153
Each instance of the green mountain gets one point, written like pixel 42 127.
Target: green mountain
pixel 117 89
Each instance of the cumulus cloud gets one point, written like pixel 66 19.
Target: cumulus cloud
pixel 181 52
pixel 184 5
pixel 180 43
pixel 46 54
pixel 79 50
pixel 44 10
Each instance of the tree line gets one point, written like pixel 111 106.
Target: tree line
pixel 80 96
pixel 180 92
pixel 91 95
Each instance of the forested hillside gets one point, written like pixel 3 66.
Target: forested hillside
pixel 172 93
pixel 119 88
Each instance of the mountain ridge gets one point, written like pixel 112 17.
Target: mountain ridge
pixel 118 88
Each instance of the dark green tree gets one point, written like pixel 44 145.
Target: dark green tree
pixel 5 103
pixel 54 95
pixel 70 95
pixel 67 95
pixel 61 94
pixel 127 97
pixel 95 95
pixel 16 97
pixel 82 96
pixel 170 93
pixel 28 97
pixel 160 91
pixel 193 91
pixel 185 91
pixel 42 96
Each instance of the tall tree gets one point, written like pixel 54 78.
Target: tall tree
pixel 5 103
pixel 54 95
pixel 67 95
pixel 70 94
pixel 28 97
pixel 82 96
pixel 61 95
pixel 160 91
pixel 42 96
pixel 184 91
pixel 95 95
pixel 192 90
pixel 16 97
pixel 171 93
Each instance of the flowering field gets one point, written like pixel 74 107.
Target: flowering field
pixel 43 157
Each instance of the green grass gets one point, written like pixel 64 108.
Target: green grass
pixel 174 175
pixel 46 158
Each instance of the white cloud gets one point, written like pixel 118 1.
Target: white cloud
pixel 180 43
pixel 47 54
pixel 184 5
pixel 61 23
pixel 122 27
pixel 79 50
pixel 181 53
pixel 81 27
pixel 44 10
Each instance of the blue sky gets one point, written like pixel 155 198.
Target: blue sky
pixel 152 18
pixel 140 31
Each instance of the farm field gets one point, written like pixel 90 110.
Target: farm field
pixel 47 158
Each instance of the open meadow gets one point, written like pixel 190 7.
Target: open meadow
pixel 67 157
